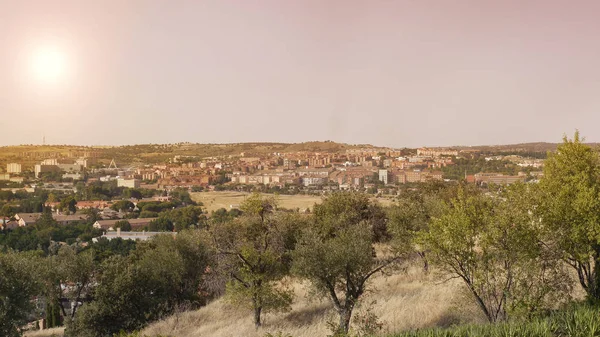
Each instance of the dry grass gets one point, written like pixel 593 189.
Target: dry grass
pixel 403 301
pixel 45 333
pixel 223 199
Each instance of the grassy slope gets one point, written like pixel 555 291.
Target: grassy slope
pixel 404 301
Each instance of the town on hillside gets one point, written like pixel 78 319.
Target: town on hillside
pixel 79 180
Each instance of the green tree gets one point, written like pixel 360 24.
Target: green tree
pixel 92 215
pixel 131 292
pixel 67 267
pixel 122 205
pixel 68 204
pixel 17 287
pixel 252 250
pixel 46 220
pixel 7 211
pixel 493 244
pixel 412 213
pixel 148 214
pixel 571 209
pixel 341 209
pixel 184 217
pixel 124 225
pixel 161 224
pixel 159 277
pixel 336 253
pixel 221 215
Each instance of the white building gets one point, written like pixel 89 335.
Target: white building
pixel 383 176
pixel 131 183
pixel 13 168
pixel 141 236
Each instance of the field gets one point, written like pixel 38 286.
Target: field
pixel 215 200
pixel 224 199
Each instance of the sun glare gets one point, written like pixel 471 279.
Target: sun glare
pixel 48 65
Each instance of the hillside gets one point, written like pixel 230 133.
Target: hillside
pixel 522 147
pixel 404 301
pixel 150 153
pixel 28 155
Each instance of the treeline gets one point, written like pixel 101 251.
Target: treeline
pixel 23 202
pixel 244 254
pixel 46 231
pixel 470 166
pixel 514 248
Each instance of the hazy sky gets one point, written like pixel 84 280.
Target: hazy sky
pixel 395 73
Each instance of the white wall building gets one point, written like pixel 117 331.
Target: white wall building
pixel 131 183
pixel 13 168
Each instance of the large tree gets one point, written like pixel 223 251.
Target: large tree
pixel 412 213
pixel 571 209
pixel 17 287
pixel 68 275
pixel 158 278
pixel 253 252
pixel 336 252
pixel 493 245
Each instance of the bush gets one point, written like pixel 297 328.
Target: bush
pixel 576 322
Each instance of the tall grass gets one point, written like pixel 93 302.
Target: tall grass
pixel 410 300
pixel 576 322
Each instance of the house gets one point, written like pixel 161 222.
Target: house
pixel 6 223
pixel 498 178
pixel 108 212
pixel 9 225
pixel 92 204
pixel 27 219
pixel 109 225
pixel 69 219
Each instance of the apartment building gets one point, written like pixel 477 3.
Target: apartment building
pixel 13 168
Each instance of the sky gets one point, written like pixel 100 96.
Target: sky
pixel 402 73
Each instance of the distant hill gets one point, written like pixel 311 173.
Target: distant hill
pixel 30 154
pixel 522 147
pixel 151 153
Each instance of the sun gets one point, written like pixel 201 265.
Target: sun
pixel 48 65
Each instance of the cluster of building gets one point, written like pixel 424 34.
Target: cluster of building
pixel 71 168
pixel 350 170
pixel 13 171
pixel 519 160
pixel 354 168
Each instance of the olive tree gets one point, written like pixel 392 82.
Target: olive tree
pixel 158 278
pixel 253 254
pixel 68 275
pixel 336 252
pixel 18 286
pixel 410 215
